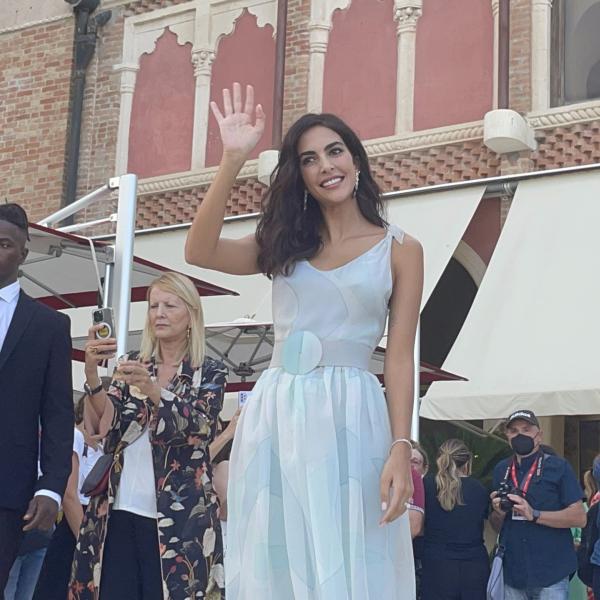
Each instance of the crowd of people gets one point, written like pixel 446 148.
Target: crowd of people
pixel 314 490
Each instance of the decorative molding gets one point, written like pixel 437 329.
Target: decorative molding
pixel 407 13
pixel 224 14
pixel 565 115
pixel 190 179
pixel 321 21
pixel 203 59
pixel 30 24
pixel 321 11
pixel 442 136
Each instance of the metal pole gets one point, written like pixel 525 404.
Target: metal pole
pixel 76 206
pixel 121 284
pixel 414 427
pixel 279 83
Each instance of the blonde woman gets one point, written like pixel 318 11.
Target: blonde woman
pixel 154 533
pixel 455 561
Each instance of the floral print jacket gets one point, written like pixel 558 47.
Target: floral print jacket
pixel 188 530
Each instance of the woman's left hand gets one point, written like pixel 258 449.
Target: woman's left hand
pixel 135 373
pixel 396 487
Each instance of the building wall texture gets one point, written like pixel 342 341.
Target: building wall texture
pixel 35 70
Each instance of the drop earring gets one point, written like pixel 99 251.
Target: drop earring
pixel 356 180
pixel 305 202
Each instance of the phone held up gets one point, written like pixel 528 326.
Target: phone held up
pixel 105 318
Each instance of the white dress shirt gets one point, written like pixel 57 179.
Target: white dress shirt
pixel 9 296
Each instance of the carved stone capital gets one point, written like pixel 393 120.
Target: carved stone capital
pixel 542 3
pixel 203 59
pixel 495 7
pixel 407 17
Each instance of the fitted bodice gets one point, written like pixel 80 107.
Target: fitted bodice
pixel 344 310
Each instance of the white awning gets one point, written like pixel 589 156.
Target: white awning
pixel 166 246
pixel 438 220
pixel 532 335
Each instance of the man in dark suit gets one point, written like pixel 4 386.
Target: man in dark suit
pixel 36 405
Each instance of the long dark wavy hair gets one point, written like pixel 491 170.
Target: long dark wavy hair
pixel 286 233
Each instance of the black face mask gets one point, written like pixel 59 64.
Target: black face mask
pixel 522 444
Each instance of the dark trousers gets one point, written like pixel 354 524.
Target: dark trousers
pixel 53 582
pixel 11 532
pixel 596 581
pixel 131 561
pixel 454 579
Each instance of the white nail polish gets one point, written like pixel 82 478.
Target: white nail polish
pixel 384 506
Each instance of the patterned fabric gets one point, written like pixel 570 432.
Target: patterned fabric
pixel 188 529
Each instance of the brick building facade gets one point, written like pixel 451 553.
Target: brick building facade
pixel 36 57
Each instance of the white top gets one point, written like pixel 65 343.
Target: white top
pixel 9 296
pixel 137 489
pixel 87 459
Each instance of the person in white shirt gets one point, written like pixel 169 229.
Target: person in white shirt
pixel 35 391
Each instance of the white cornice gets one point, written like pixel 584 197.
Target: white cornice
pixel 190 179
pixel 37 23
pixel 441 136
pixel 565 115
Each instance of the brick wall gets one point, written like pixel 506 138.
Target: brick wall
pixel 296 62
pixel 35 70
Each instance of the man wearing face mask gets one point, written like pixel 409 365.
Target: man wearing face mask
pixel 536 502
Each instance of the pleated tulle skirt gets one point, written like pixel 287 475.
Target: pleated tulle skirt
pixel 303 495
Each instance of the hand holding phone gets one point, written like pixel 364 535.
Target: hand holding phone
pixel 101 344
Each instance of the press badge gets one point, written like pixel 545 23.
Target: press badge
pixel 517 517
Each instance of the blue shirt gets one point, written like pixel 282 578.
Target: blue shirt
pixel 536 555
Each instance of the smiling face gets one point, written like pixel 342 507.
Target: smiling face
pixel 327 166
pixel 168 314
pixel 12 252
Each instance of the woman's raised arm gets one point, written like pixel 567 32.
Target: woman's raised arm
pixel 239 135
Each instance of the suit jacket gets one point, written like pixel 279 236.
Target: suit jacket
pixel 35 390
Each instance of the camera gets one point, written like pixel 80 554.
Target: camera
pixel 506 504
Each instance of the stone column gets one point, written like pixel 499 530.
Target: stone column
pixel 406 14
pixel 128 77
pixel 496 15
pixel 541 19
pixel 203 59
pixel 318 37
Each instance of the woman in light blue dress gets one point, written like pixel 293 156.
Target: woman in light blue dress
pixel 320 466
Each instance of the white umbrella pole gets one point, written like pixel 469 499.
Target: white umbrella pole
pixel 414 429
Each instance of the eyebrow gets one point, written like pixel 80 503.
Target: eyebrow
pixel 328 147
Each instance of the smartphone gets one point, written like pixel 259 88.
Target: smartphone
pixel 104 317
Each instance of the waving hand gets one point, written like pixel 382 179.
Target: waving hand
pixel 238 134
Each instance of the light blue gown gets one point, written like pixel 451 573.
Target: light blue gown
pixel 310 445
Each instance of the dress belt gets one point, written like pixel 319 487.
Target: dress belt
pixel 333 353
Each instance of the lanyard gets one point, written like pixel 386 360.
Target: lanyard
pixel 536 468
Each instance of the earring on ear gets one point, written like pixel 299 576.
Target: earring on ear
pixel 356 180
pixel 188 330
pixel 305 202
